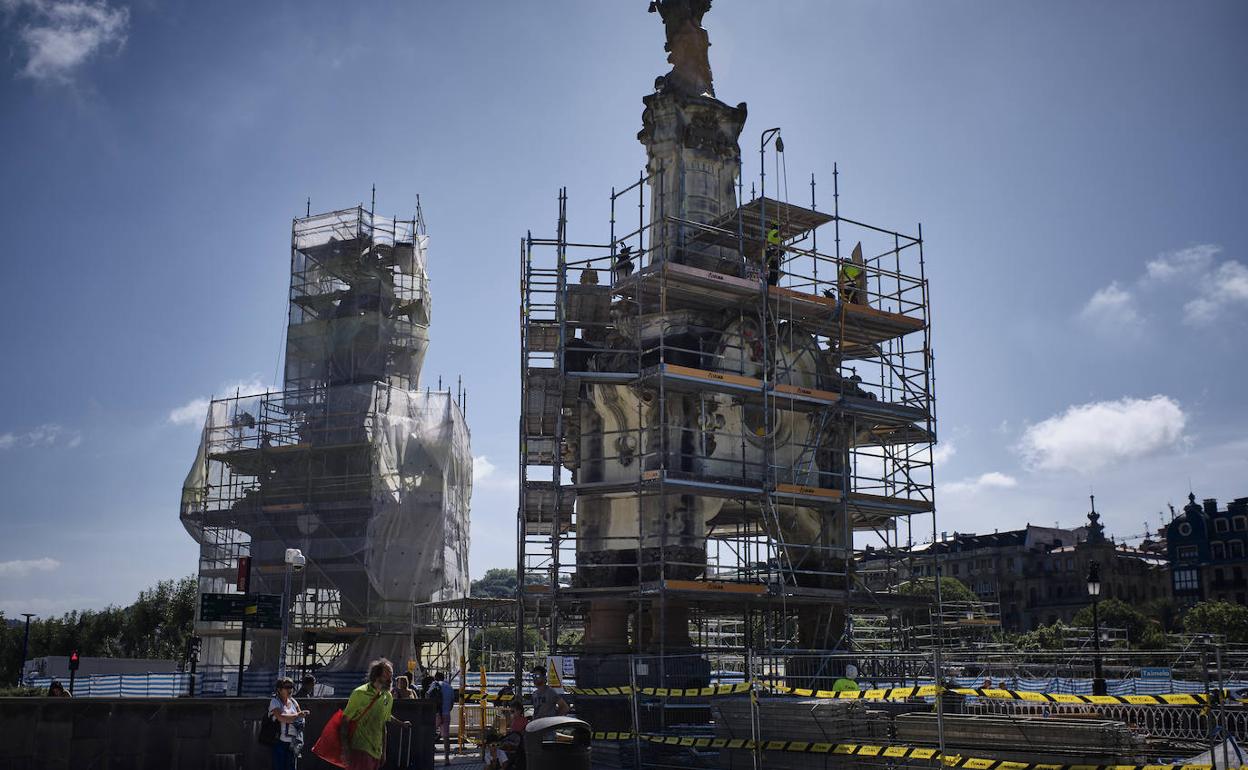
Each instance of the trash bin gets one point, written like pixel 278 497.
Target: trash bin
pixel 557 743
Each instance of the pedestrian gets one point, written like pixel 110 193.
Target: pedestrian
pixel 307 689
pixel 57 690
pixel 403 688
pixel 507 691
pixel 443 694
pixel 370 709
pixel 284 709
pixel 546 702
pixel 508 752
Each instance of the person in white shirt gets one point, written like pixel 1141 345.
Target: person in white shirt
pixel 284 709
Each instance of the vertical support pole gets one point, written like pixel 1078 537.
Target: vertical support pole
pixel 281 649
pixel 21 672
pixel 463 711
pixel 242 637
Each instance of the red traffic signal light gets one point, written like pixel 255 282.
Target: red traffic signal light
pixel 73 661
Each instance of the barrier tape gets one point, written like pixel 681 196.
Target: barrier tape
pixel 902 693
pixel 869 750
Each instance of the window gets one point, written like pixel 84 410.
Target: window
pixel 1221 525
pixel 1070 564
pixel 1217 575
pixel 955 569
pixel 1188 553
pixel 1185 529
pixel 1185 580
pixel 1240 523
pixel 1237 549
pixel 1217 551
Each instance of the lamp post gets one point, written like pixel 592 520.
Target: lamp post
pixel 1094 590
pixel 21 673
pixel 295 562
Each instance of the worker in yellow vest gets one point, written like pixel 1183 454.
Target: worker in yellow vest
pixel 852 279
pixel 773 254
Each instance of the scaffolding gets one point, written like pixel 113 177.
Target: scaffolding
pixel 702 443
pixel 352 463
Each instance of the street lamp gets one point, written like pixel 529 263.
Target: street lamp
pixel 1094 590
pixel 21 673
pixel 295 562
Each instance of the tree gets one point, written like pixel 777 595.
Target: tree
pixel 501 639
pixel 499 583
pixel 1115 613
pixel 1216 617
pixel 951 590
pixel 156 625
pixel 1051 637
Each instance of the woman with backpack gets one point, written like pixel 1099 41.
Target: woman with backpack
pixel 283 730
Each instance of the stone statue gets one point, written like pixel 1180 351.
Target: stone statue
pixel 687 44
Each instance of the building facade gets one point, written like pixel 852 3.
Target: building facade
pixel 1208 552
pixel 1038 575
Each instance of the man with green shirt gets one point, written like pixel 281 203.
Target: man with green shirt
pixel 369 709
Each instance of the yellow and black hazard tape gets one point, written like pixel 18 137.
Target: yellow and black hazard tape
pixel 880 694
pixel 665 692
pixel 486 697
pixel 929 691
pixel 892 752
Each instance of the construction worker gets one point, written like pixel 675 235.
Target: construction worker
pixel 773 253
pixel 852 278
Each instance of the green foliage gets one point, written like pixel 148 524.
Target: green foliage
pixel 496 583
pixel 502 639
pixel 951 590
pixel 156 625
pixel 1215 617
pixel 1115 613
pixel 1051 637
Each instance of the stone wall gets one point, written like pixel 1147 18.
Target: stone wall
pixel 172 734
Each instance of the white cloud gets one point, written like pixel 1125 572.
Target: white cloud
pixel 973 485
pixel 1223 287
pixel 1185 264
pixel 943 451
pixel 194 412
pixel 1090 437
pixel 23 567
pixel 61 35
pixel 1192 278
pixel 46 435
pixel 482 468
pixel 1111 309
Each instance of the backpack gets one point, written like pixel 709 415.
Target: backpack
pixel 270 730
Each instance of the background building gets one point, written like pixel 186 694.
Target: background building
pixel 1037 575
pixel 1206 549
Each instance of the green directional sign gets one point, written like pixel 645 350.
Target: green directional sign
pixel 259 610
pixel 264 611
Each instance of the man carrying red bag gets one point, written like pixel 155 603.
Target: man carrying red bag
pixel 362 727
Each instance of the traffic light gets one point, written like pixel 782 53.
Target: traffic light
pixel 73 661
pixel 193 645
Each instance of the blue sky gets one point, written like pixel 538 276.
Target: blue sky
pixel 1079 169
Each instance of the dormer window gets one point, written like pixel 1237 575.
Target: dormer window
pixel 1185 529
pixel 1221 525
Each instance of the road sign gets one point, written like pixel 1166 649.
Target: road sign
pixel 264 611
pixel 259 610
